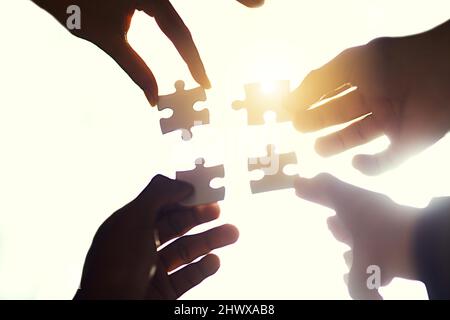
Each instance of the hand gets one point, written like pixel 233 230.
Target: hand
pixel 378 231
pixel 123 261
pixel 402 91
pixel 106 23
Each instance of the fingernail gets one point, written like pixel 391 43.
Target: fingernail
pixel 326 149
pixel 356 162
pixel 359 162
pixel 300 125
pixel 207 83
pixel 152 98
pixel 303 124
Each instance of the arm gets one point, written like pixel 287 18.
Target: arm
pixel 432 249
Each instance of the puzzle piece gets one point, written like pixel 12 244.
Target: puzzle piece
pixel 184 117
pixel 200 178
pixel 258 102
pixel 272 165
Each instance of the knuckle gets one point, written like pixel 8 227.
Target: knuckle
pixel 184 251
pixel 160 181
pixel 360 134
pixel 175 224
pixel 158 178
pixel 381 43
pixel 378 53
pixel 348 55
pixel 311 77
pixel 348 52
pixel 324 178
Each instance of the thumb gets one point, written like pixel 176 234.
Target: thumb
pixel 328 191
pixel 378 163
pixel 162 191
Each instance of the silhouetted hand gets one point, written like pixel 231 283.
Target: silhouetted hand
pixel 403 91
pixel 379 232
pixel 106 23
pixel 123 261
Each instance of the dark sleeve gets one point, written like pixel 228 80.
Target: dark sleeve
pixel 432 248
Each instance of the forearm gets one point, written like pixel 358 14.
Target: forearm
pixel 432 249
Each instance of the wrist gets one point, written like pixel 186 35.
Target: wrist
pixel 405 265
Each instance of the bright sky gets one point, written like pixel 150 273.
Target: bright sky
pixel 78 140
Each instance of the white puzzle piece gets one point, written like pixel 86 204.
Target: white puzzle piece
pixel 184 116
pixel 272 165
pixel 201 178
pixel 257 102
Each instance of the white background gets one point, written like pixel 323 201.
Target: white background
pixel 78 140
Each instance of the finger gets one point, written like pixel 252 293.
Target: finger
pixel 162 191
pixel 324 189
pixel 357 133
pixel 359 284
pixel 345 278
pixel 336 111
pixel 320 82
pixel 189 248
pixel 134 66
pixel 339 231
pixel 174 28
pixel 252 3
pixel 378 163
pixel 333 193
pixel 175 224
pixel 193 274
pixel 348 258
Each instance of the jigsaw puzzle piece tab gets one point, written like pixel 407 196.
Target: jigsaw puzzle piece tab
pixel 184 116
pixel 201 178
pixel 258 102
pixel 272 166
